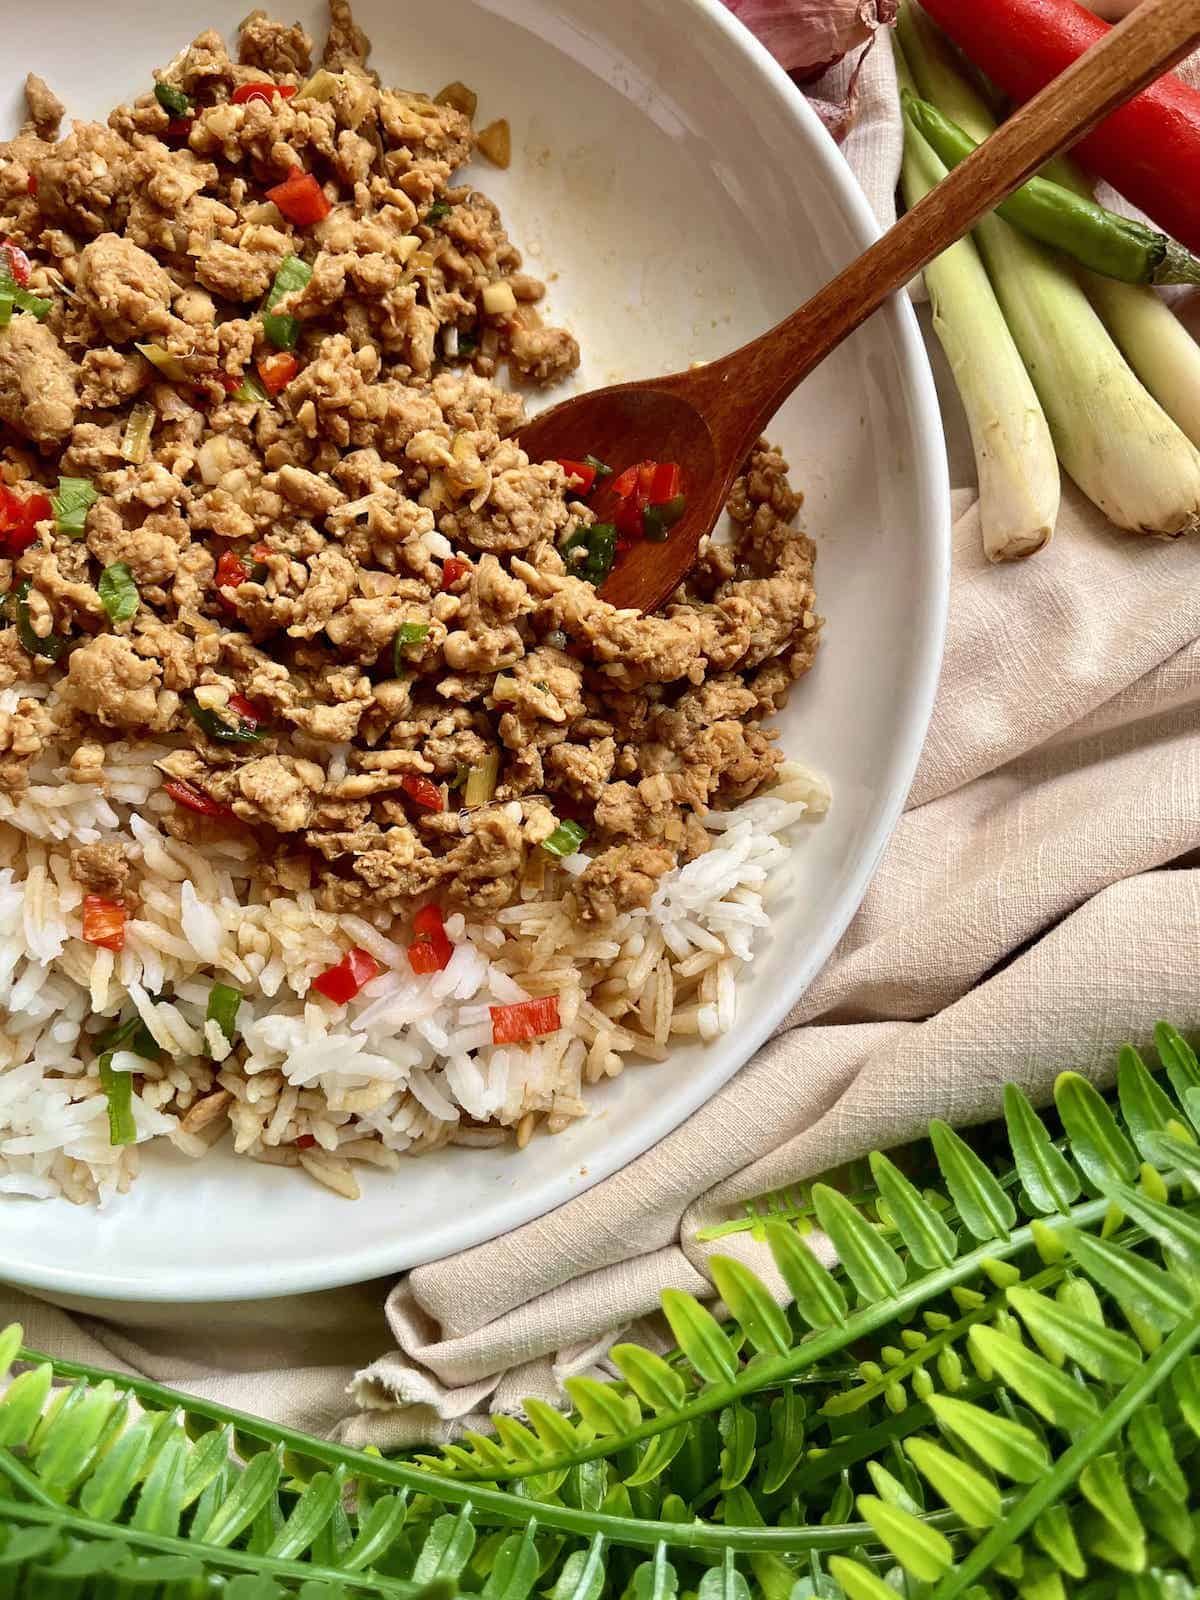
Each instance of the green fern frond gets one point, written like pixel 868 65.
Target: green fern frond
pixel 995 1393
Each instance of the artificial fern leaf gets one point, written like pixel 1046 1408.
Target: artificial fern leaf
pixel 602 1407
pixel 920 1549
pixel 1176 1230
pixel 160 1503
pixel 859 1582
pixel 515 1568
pixel 1048 1179
pixel 817 1295
pixel 1138 1286
pixel 1145 1107
pixel 655 1383
pixel 582 1575
pixel 1178 1059
pixel 1150 1440
pixel 700 1337
pixel 870 1263
pixel 447 1548
pixel 21 1408
pixel 251 1492
pixel 986 1210
pixel 930 1240
pixel 658 1456
pixel 1043 1387
pixel 965 1490
pixel 1062 1334
pixel 1054 1533
pixel 738 1430
pixel 724 1582
pixel 1007 1447
pixel 764 1323
pixel 377 1532
pixel 786 1445
pixel 655 1579
pixel 1097 1143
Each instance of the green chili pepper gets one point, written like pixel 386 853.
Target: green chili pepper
pixel 118 1091
pixel 251 389
pixel 223 1003
pixel 283 330
pixel 131 1034
pixel 565 840
pixel 602 470
pixel 438 210
pixel 72 502
pixel 173 100
pixel 602 552
pixel 578 536
pixel 221 732
pixel 119 592
pixel 657 521
pixel 407 633
pixel 17 607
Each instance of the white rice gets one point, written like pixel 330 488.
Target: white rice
pixel 408 1066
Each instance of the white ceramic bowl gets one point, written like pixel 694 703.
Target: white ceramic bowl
pixel 681 197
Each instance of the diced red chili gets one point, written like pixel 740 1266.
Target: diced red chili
pixel 628 516
pixel 260 552
pixel 18 263
pixel 231 382
pixel 278 370
pixel 301 199
pixel 625 482
pixel 262 91
pixel 247 710
pixel 421 792
pixel 231 571
pixel 583 471
pixel 19 517
pixel 454 568
pixel 352 973
pixel 666 482
pixel 525 1019
pixel 179 127
pixel 431 950
pixel 193 799
pixel 103 922
pixel 304 1141
pixel 31 184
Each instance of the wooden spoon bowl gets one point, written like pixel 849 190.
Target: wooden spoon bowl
pixel 707 419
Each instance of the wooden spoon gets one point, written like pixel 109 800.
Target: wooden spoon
pixel 708 418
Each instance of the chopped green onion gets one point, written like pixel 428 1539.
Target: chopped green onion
pixel 438 210
pixel 565 840
pixel 71 504
pixel 221 732
pixel 119 592
pixel 170 366
pixel 657 521
pixel 481 781
pixel 602 552
pixel 282 330
pixel 173 100
pixel 407 633
pixel 135 446
pixel 12 295
pixel 17 602
pixel 602 470
pixel 251 389
pixel 132 1034
pixel 223 1003
pixel 118 1091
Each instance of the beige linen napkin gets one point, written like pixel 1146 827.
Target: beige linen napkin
pixel 1034 910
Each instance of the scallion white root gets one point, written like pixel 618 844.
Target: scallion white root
pixel 1120 446
pixel 1019 484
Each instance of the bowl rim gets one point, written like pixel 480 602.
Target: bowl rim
pixel 526 1203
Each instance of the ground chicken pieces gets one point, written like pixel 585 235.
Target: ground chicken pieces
pixel 125 288
pixel 350 598
pixel 621 878
pixel 37 382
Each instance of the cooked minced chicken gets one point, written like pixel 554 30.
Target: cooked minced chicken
pixel 256 327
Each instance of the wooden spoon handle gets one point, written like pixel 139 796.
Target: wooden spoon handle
pixel 1142 47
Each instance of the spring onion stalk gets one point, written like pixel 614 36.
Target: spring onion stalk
pixel 72 502
pixel 135 446
pixel 1019 485
pixel 1062 216
pixel 170 366
pixel 1115 440
pixel 118 1092
pixel 281 329
pixel 118 592
pixel 565 840
pixel 1152 339
pixel 481 781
